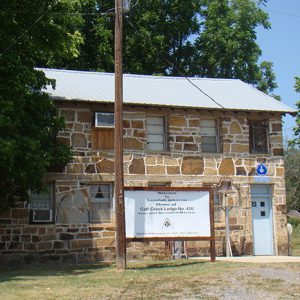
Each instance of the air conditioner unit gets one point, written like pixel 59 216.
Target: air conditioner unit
pixel 42 215
pixel 104 119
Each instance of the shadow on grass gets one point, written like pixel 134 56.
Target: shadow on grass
pixel 24 272
pixel 165 265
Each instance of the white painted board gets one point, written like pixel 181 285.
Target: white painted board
pixel 172 213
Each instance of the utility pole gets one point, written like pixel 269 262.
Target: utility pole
pixel 118 139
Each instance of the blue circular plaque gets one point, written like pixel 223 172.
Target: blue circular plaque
pixel 261 169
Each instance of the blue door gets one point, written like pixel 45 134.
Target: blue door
pixel 261 201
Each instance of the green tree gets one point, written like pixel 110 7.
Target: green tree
pixel 292 178
pixel 296 140
pixel 204 38
pixel 227 47
pixel 32 32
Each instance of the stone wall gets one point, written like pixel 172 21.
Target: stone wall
pixel 181 165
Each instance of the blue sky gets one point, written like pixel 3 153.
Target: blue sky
pixel 281 45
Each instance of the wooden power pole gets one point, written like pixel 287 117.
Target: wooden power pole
pixel 118 139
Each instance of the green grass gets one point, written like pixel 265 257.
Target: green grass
pixel 152 280
pixel 296 241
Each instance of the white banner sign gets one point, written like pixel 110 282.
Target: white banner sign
pixel 169 213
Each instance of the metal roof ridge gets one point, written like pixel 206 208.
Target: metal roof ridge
pixel 138 75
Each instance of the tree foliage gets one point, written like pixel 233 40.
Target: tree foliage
pixel 32 33
pixel 292 167
pixel 296 140
pixel 204 38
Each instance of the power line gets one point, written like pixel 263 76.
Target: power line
pixel 53 13
pixel 174 67
pixel 21 36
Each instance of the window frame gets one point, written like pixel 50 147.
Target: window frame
pixel 164 127
pixel 217 136
pixel 252 136
pixel 109 200
pixel 102 125
pixel 52 205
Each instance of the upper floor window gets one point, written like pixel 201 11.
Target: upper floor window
pixel 102 202
pixel 103 132
pixel 209 137
pixel 156 136
pixel 258 136
pixel 41 205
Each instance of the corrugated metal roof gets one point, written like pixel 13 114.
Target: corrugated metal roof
pixel 163 91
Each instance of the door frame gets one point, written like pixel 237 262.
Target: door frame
pixel 268 197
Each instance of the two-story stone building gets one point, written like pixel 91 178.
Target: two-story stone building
pixel 177 132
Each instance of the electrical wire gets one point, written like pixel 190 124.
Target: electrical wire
pixel 53 13
pixel 187 78
pixel 21 36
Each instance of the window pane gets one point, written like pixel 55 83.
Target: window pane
pixel 155 128
pixel 42 200
pixel 101 212
pixel 155 120
pixel 155 138
pixel 207 123
pixel 258 136
pixel 209 144
pixel 100 192
pixel 155 133
pixel 155 146
pixel 105 119
pixel 208 131
pixel 101 202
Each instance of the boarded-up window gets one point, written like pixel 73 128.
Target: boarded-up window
pixel 156 138
pixel 258 136
pixel 101 200
pixel 103 132
pixel 209 137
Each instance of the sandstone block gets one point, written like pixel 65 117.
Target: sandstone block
pixel 210 171
pixel 170 161
pixel 159 170
pixel 226 167
pixel 277 127
pixel 240 148
pixel 68 114
pixel 192 165
pixel 226 147
pixel 84 116
pixel 90 169
pixel 194 123
pixel 177 121
pixel 19 213
pixel 151 160
pixel 137 124
pixel 105 166
pixel 241 171
pixel 278 152
pixel 126 124
pixel 79 140
pixel 235 128
pixel 173 170
pixel 280 172
pixel 139 134
pixel 75 168
pixel 190 147
pixel 137 166
pixel 184 139
pixel 133 144
pixel 45 246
